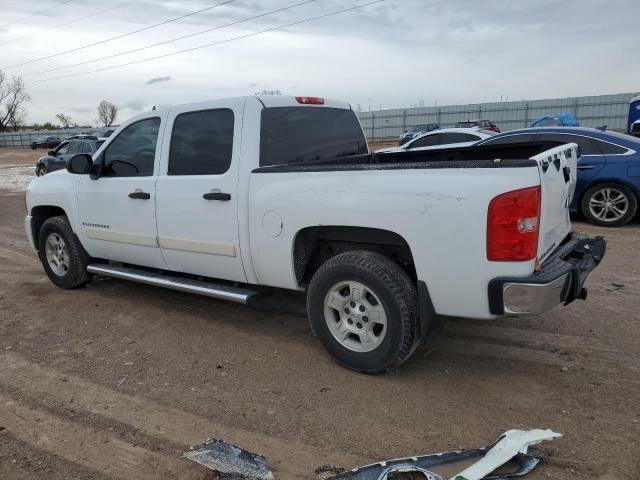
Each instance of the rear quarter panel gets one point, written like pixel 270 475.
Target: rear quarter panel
pixel 441 213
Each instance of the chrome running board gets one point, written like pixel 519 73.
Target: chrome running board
pixel 208 289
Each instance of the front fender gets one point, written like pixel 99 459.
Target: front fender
pixel 58 189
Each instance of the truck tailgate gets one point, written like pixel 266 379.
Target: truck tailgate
pixel 558 170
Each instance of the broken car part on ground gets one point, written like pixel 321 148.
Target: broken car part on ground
pixel 507 457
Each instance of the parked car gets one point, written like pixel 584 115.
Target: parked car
pixel 444 138
pixel 292 199
pixel 83 136
pixel 103 132
pixel 559 120
pixel 45 142
pixel 608 187
pixel 482 124
pixel 417 130
pixel 57 159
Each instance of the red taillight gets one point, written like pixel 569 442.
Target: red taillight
pixel 512 226
pixel 310 100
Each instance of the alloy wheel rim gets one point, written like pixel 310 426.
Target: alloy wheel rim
pixel 355 316
pixel 608 204
pixel 57 254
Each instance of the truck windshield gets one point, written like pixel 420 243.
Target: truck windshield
pixel 307 134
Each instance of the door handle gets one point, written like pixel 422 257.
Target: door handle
pixel 140 195
pixel 586 167
pixel 223 197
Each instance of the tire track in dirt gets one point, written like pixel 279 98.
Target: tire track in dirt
pixel 152 419
pixel 545 348
pixel 97 450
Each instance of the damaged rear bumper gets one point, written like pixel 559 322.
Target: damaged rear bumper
pixel 560 280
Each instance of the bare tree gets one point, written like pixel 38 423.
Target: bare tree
pixel 107 113
pixel 12 96
pixel 17 119
pixel 65 120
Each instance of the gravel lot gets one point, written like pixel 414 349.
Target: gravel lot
pixel 114 380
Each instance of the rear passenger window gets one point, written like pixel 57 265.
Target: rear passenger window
pixel 510 139
pixel 427 141
pixel 586 144
pixel 610 149
pixel 201 143
pixel 74 147
pixel 456 137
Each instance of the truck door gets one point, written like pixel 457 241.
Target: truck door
pixel 118 210
pixel 197 191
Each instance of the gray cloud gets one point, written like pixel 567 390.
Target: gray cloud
pixel 158 80
pixel 393 54
pixel 136 105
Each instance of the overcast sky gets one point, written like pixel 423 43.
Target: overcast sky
pixel 395 53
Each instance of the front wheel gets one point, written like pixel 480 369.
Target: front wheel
pixel 63 257
pixel 609 205
pixel 363 308
pixel 41 171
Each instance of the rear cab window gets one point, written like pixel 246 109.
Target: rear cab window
pixel 308 134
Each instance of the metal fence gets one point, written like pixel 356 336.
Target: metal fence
pixel 24 139
pixel 595 111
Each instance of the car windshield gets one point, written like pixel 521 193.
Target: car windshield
pixel 466 124
pixel 419 128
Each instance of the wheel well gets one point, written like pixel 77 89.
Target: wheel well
pixel 40 214
pixel 315 245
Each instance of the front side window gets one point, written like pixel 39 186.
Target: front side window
pixel 86 148
pixel 201 143
pixel 62 149
pixel 132 152
pixel 308 134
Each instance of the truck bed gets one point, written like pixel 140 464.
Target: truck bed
pixel 499 156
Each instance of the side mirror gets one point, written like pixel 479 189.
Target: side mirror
pixel 79 164
pixel 51 153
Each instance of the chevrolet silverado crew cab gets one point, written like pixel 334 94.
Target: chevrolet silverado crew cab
pixel 232 198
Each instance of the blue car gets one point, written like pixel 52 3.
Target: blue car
pixel 608 186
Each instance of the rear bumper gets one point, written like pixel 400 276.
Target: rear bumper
pixel 560 280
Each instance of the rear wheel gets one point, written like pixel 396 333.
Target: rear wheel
pixel 609 205
pixel 363 308
pixel 62 256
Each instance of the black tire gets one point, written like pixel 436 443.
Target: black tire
pixel 41 170
pixel 397 295
pixel 76 274
pixel 33 147
pixel 595 193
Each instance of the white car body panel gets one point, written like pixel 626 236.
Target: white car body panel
pixel 130 237
pixel 407 146
pixel 440 212
pixel 200 236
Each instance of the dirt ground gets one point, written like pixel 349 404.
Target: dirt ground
pixel 112 381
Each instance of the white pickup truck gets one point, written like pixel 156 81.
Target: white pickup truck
pixel 230 198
